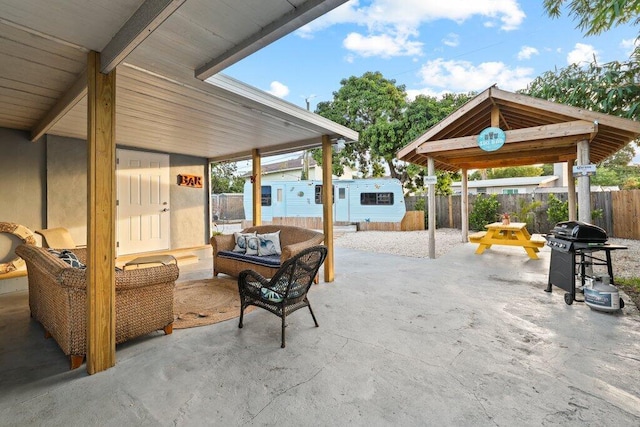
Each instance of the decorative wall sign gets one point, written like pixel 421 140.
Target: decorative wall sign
pixel 194 181
pixel 491 139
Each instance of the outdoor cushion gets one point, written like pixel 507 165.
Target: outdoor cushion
pixel 68 257
pixel 267 261
pixel 269 244
pixel 252 245
pixel 241 241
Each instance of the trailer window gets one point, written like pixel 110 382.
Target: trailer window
pixel 318 194
pixel 376 199
pixel 342 193
pixel 266 195
pixel 279 196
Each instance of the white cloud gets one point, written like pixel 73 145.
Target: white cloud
pixel 463 76
pixel 527 52
pixel 629 45
pixel 452 40
pixel 278 89
pixel 391 20
pixel 382 45
pixel 582 53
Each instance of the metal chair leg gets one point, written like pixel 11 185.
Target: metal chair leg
pixel 241 316
pixel 312 315
pixel 283 326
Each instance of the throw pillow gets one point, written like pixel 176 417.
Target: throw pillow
pixel 68 257
pixel 270 295
pixel 252 244
pixel 269 244
pixel 241 241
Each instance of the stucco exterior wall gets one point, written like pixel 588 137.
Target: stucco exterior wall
pixel 22 186
pixel 44 185
pixel 189 206
pixel 67 186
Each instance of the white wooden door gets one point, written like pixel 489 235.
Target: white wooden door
pixel 143 202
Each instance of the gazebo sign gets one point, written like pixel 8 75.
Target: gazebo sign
pixel 584 170
pixel 491 139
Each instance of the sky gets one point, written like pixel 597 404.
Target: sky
pixel 430 46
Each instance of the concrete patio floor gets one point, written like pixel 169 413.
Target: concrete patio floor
pixel 460 340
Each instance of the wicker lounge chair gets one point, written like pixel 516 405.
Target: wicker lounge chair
pixel 287 290
pixel 292 239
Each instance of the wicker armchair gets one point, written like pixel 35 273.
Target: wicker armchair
pixel 287 290
pixel 58 300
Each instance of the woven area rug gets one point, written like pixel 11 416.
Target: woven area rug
pixel 204 302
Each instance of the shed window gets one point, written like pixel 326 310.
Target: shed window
pixel 318 193
pixel 376 199
pixel 266 195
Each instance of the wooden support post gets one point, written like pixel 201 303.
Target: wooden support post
pixel 571 192
pixel 464 206
pixel 327 207
pixel 101 253
pixel 256 173
pixel 584 184
pixel 495 116
pixel 431 171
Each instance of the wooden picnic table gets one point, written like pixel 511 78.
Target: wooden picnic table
pixel 513 234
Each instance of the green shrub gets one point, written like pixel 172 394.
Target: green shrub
pixel 526 212
pixel 485 211
pixel 557 210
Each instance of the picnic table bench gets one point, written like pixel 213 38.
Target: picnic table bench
pixel 513 234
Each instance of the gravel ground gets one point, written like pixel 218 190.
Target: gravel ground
pixel 626 263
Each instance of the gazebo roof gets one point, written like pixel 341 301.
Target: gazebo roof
pixel 537 131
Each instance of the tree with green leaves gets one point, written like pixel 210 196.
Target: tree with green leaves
pixel 224 178
pixel 371 105
pixel 610 88
pixel 597 16
pixel 508 172
pixel 378 109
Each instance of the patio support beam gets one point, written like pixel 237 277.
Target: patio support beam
pixel 584 184
pixel 256 179
pixel 327 207
pixel 101 188
pixel 546 135
pixel 464 206
pixel 142 23
pixel 571 191
pixel 71 97
pixel 431 171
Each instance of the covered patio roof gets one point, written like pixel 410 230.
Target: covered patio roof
pixel 537 131
pixel 164 50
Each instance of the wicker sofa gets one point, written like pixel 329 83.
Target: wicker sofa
pixel 58 299
pixel 292 240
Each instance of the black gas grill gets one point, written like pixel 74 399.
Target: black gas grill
pixel 573 244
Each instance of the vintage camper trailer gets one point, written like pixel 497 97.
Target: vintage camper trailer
pixel 355 201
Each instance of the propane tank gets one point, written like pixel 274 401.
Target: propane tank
pixel 599 294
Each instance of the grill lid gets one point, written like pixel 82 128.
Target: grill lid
pixel 579 232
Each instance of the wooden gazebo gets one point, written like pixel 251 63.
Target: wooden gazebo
pixel 535 131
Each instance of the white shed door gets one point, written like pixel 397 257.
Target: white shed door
pixel 143 202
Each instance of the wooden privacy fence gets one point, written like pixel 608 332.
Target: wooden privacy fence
pixel 626 213
pixel 618 212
